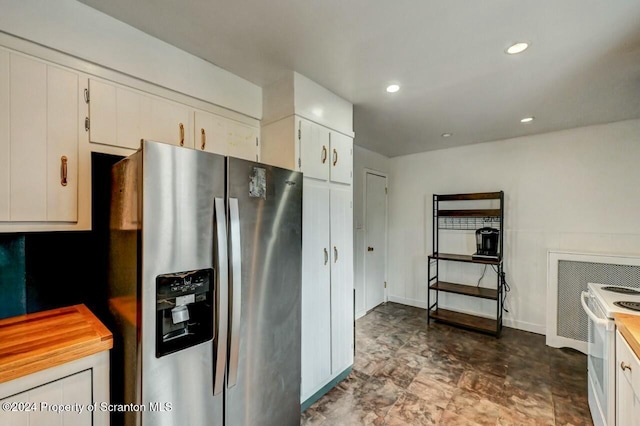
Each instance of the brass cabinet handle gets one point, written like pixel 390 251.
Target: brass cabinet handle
pixel 181 134
pixel 63 170
pixel 324 154
pixel 326 256
pixel 624 366
pixel 335 157
pixel 203 137
pixel 335 254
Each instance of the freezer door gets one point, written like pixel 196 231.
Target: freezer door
pixel 179 188
pixel 265 246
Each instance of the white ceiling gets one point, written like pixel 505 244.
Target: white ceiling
pixel 583 66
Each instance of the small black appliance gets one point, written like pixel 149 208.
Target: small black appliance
pixel 487 243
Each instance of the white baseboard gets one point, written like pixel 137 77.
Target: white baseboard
pixel 507 322
pixel 409 302
pixel 360 314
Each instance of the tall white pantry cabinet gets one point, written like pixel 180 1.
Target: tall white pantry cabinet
pixel 309 129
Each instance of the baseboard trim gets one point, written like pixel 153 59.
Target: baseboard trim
pixel 507 322
pixel 326 388
pixel 360 314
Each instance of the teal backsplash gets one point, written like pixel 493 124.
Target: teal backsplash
pixel 13 289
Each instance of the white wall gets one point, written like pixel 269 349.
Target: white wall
pixel 362 159
pixel 577 189
pixel 81 31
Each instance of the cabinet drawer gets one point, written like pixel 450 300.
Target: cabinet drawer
pixel 625 355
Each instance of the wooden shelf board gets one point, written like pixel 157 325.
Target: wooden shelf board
pixel 474 196
pixel 467 290
pixel 470 213
pixel 472 322
pixel 464 258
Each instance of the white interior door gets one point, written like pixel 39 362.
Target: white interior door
pixel 375 240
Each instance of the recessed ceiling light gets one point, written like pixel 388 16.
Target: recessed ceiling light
pixel 446 135
pixel 517 48
pixel 527 120
pixel 393 88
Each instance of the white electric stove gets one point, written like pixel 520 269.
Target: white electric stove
pixel 600 303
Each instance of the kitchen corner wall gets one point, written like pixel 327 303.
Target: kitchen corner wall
pixel 575 190
pixel 362 159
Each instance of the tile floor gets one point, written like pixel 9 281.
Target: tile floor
pixel 408 373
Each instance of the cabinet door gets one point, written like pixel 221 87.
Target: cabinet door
pixel 39 135
pixel 72 390
pixel 627 402
pixel 341 279
pixel 116 115
pixel 242 141
pixel 62 145
pixel 4 135
pixel 209 133
pixel 341 158
pixel 28 139
pixel 314 150
pixel 166 121
pixel 102 112
pixel 316 288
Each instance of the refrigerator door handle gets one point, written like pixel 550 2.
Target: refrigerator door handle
pixel 222 296
pixel 236 288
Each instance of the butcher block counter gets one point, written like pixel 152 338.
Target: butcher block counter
pixel 34 342
pixel 629 326
pixel 54 368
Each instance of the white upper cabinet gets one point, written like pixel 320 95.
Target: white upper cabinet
pixel 39 140
pixel 341 158
pixel 324 154
pixel 122 117
pixel 116 115
pixel 62 145
pixel 242 141
pixel 209 133
pixel 223 136
pixel 166 121
pixel 5 151
pixel 314 149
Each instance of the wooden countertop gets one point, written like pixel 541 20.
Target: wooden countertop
pixel 34 342
pixel 629 327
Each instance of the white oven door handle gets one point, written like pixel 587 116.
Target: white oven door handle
pixel 603 322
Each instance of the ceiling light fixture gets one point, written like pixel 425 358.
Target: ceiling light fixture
pixel 516 48
pixel 393 88
pixel 527 120
pixel 446 135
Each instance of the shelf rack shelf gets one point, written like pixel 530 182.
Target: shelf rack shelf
pixel 494 216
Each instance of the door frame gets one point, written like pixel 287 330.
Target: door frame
pixel 367 171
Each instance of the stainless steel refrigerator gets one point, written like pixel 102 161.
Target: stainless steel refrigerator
pixel 205 276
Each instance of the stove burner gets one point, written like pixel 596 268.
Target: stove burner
pixel 623 290
pixel 634 306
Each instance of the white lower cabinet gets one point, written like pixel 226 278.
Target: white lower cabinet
pixel 627 384
pixel 59 395
pixel 327 284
